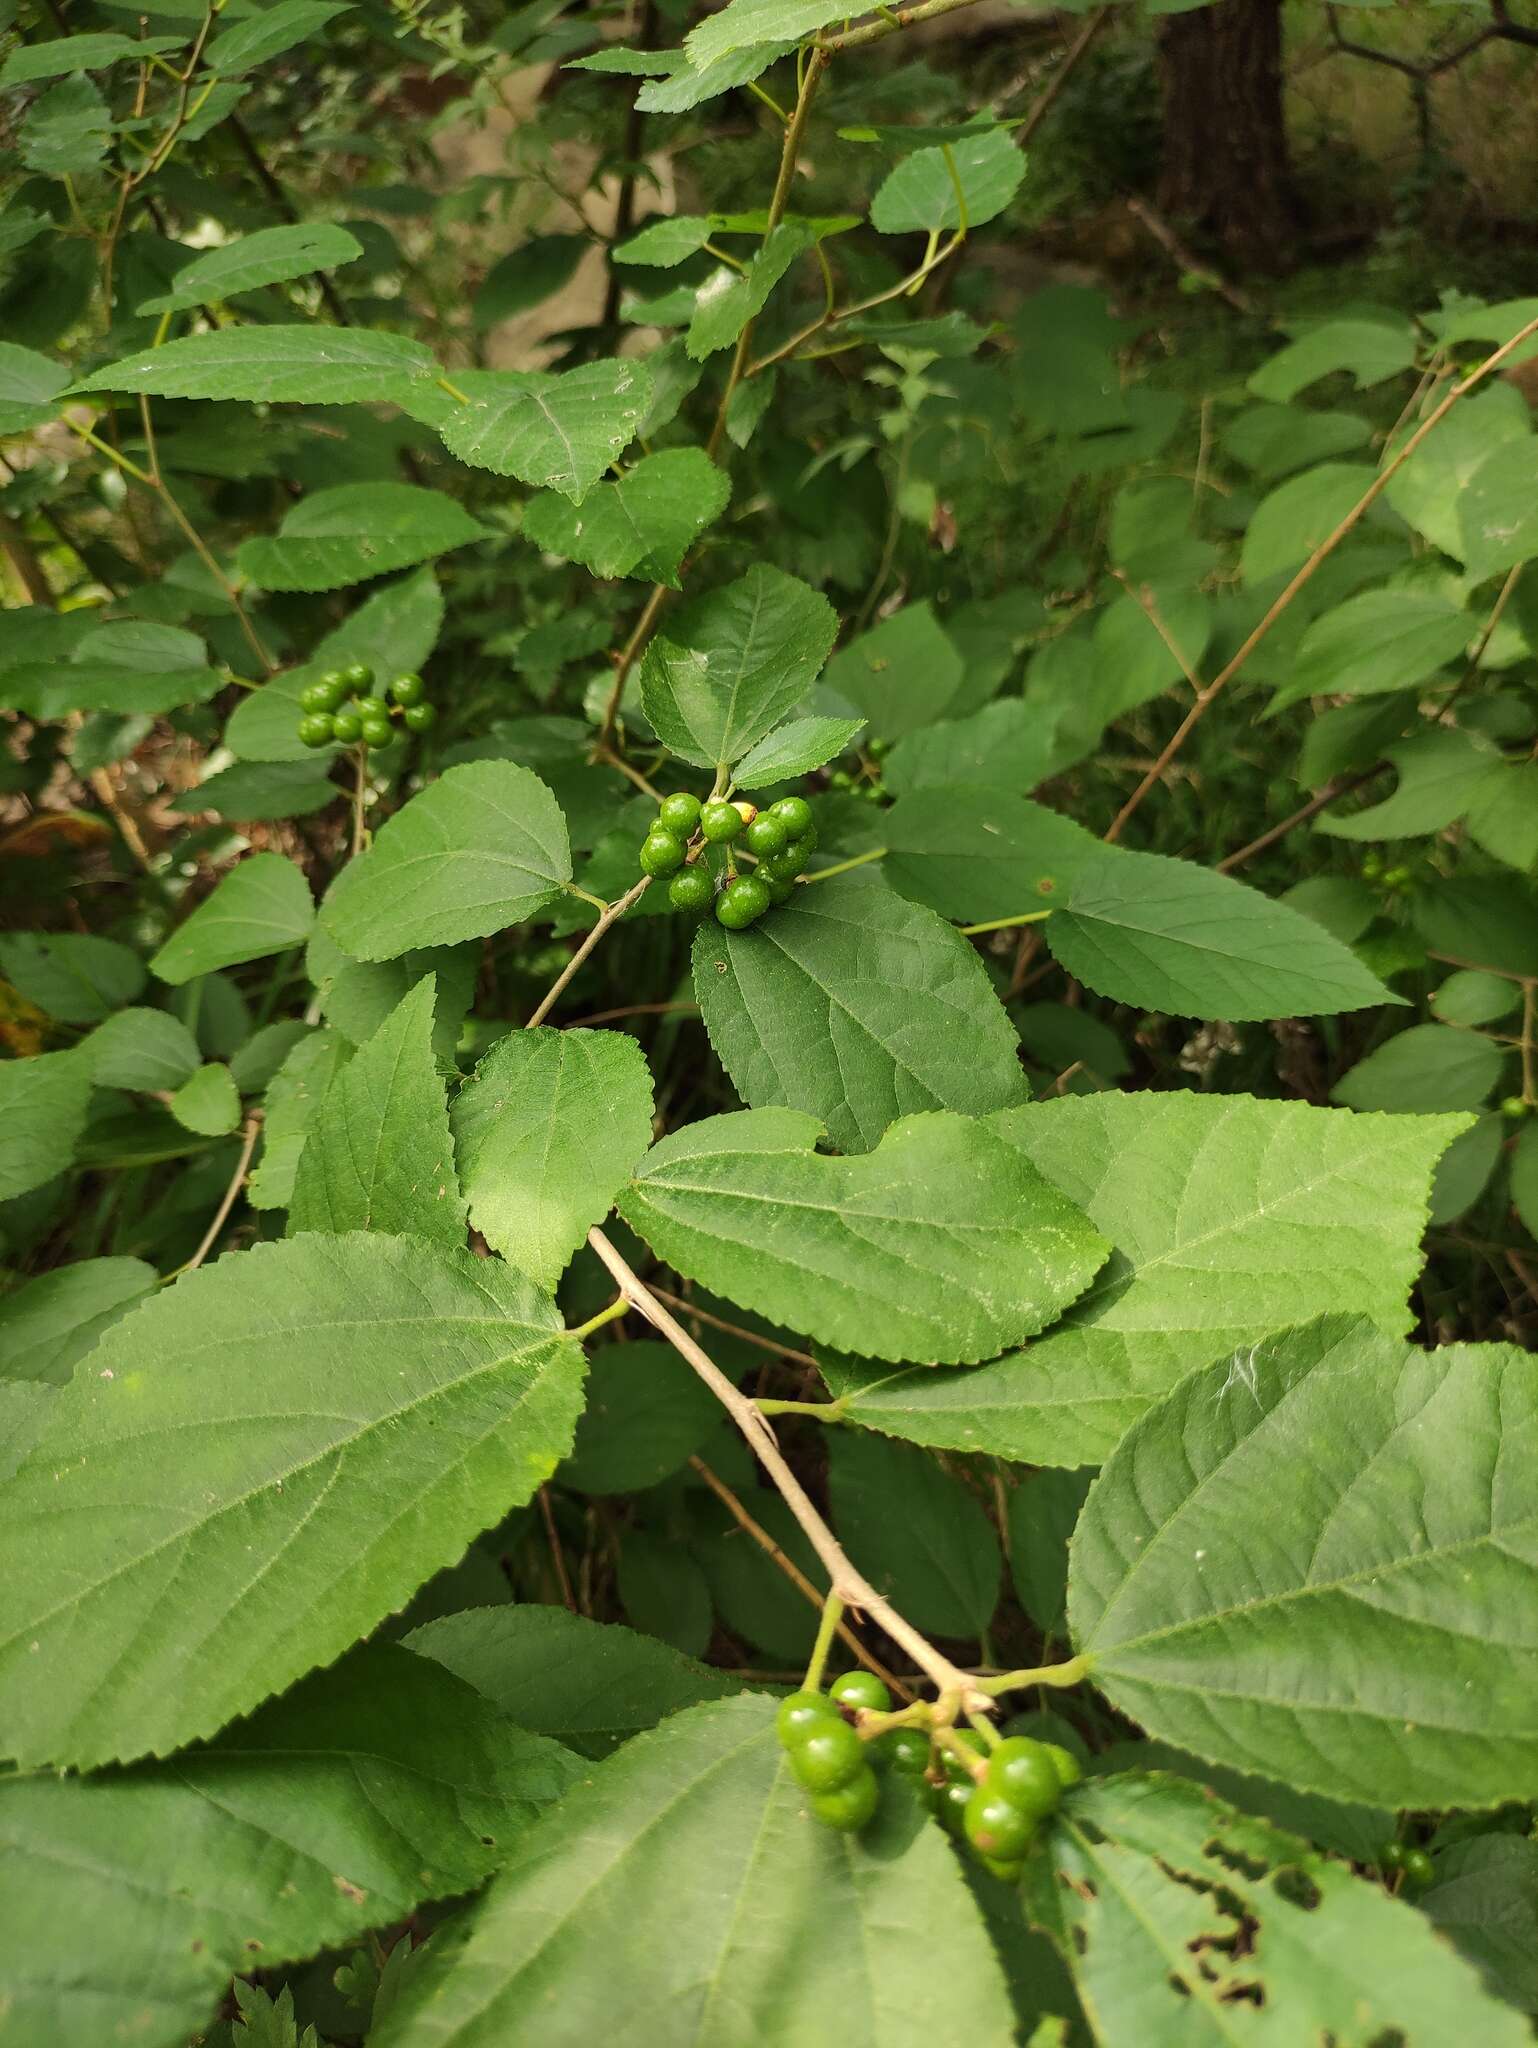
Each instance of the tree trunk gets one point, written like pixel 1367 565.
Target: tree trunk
pixel 1225 167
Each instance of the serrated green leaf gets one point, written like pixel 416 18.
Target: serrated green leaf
pixel 900 675
pixel 43 1103
pixel 354 532
pixel 357 996
pixel 549 1128
pixel 1299 516
pixel 296 365
pixel 640 526
pixel 29 388
pixel 293 1097
pixel 74 976
pixel 858 1007
pixel 1004 746
pixel 795 749
pixel 261 790
pixel 939 1557
pixel 300 1492
pixel 268 33
pixel 1368 350
pixel 557 431
pixel 261 906
pixel 208 1102
pixel 48 1324
pixel 1441 772
pixel 140 1049
pixel 829 1941
pixel 1428 1067
pixel 1382 640
pixel 1428 490
pixel 1365 1637
pixel 647 1413
pixel 853 1251
pixel 1497 512
pixel 1168 935
pixel 482 847
pixel 665 242
pixel 1503 817
pixel 130 666
pixel 964 183
pixel 378 1155
pixel 65 133
pixel 733 664
pixel 684 85
pixel 1485 1900
pixel 729 299
pixel 88 52
pixel 974 852
pixel 132 1895
pixel 270 256
pixel 1472 996
pixel 1042 1511
pixel 589 1684
pixel 1230 1219
pixel 1187 1924
pixel 743 24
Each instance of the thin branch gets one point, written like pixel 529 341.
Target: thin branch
pixel 227 1201
pixel 892 23
pixel 1341 786
pixel 1075 52
pixel 558 1556
pixel 612 915
pixel 651 611
pixel 689 1308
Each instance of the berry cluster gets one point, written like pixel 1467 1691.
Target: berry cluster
pixel 344 705
pixel 781 840
pixel 1413 1867
pixel 994 1799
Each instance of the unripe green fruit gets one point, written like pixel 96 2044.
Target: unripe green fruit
pixel 861 1689
pixel 851 1806
pixel 1513 1106
pixel 795 814
pixel 1008 1871
pixel 420 717
pixel 996 1825
pixel 1418 1869
pixel 358 676
pixel 1391 1857
pixel 661 853
pixel 408 689
pixel 680 813
pixel 1022 1772
pixel 691 890
pixel 377 732
pixel 906 1750
pixel 348 727
pixel 742 903
pixel 316 729
pixel 950 1805
pixel 720 822
pixel 767 834
pixel 779 892
pixel 828 1755
pixel 1065 1763
pixel 800 1712
pixel 317 697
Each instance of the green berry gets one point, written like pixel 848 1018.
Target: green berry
pixel 828 1755
pixel 800 1712
pixel 358 676
pixel 680 813
pixel 950 1805
pixel 767 834
pixel 316 729
pixel 1418 1869
pixel 742 902
pixel 1065 1763
pixel 408 689
pixel 1007 1870
pixel 795 814
pixel 851 1806
pixel 905 1749
pixel 720 822
pixel 317 697
pixel 1022 1772
pixel 779 892
pixel 954 1767
pixel 661 853
pixel 781 867
pixel 377 731
pixel 861 1689
pixel 692 889
pixel 996 1825
pixel 1513 1106
pixel 419 717
pixel 1391 1857
pixel 349 727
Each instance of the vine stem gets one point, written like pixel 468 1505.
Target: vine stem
pixel 611 916
pixel 1068 1673
pixel 1325 549
pixel 816 1664
pixel 848 1583
pixel 227 1200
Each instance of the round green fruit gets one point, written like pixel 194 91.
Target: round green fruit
pixel 334 683
pixel 680 813
pixel 691 890
pixel 827 1755
pixel 1391 1857
pixel 950 1805
pixel 349 727
pixel 996 1825
pixel 742 903
pixel 779 892
pixel 720 822
pixel 851 1806
pixel 316 729
pixel 358 676
pixel 661 853
pixel 795 814
pixel 861 1689
pixel 377 732
pixel 419 717
pixel 1514 1107
pixel 1022 1772
pixel 1418 1869
pixel 767 834
pixel 1007 1870
pixel 408 689
pixel 800 1712
pixel 1065 1763
pixel 317 697
pixel 906 1750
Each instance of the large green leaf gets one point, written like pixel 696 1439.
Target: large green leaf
pixel 270 256
pixel 29 387
pixel 939 1557
pixel 591 1685
pixel 1441 769
pixel 1169 935
pixel 932 189
pixel 1429 1067
pixel 1296 518
pixel 260 1464
pixel 130 1897
pixel 556 430
pixel 354 532
pixel 48 1324
pixel 65 54
pixel 261 906
pixel 1381 640
pixel 482 847
pixel 690 1863
pixel 647 1413
pixel 1230 1218
pixel 1187 1924
pixel 292 1101
pixel 941 1246
pixel 796 749
pixel 43 1101
pixel 298 365
pixel 1498 510
pixel 130 666
pixel 1318 1559
pixel 144 1049
pixel 1004 746
pixel 379 1155
pixel 74 976
pixel 744 24
pixel 549 1128
pixel 729 299
pixel 208 1102
pixel 976 852
pixel 858 1007
pixel 268 32
pixel 899 676
pixel 1368 349
pixel 1485 1900
pixel 639 526
pixel 1428 490
pixel 733 664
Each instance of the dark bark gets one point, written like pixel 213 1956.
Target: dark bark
pixel 1225 168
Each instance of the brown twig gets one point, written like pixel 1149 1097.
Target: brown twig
pixel 1341 786
pixel 1072 58
pixel 558 1556
pixel 227 1201
pixel 1184 259
pixel 700 1315
pixel 612 915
